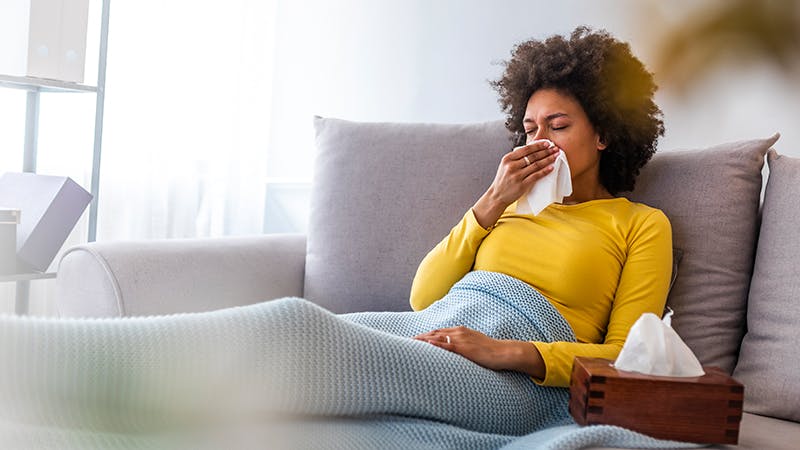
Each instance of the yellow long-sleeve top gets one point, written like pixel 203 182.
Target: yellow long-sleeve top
pixel 601 263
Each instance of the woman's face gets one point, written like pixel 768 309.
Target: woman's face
pixel 560 118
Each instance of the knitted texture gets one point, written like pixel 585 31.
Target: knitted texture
pixel 279 374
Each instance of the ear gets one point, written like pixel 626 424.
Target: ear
pixel 600 142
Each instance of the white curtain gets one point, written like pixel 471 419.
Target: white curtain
pixel 187 118
pixel 187 125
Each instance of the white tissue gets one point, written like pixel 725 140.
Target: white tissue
pixel 552 188
pixel 654 348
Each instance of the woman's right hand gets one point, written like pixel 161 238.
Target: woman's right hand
pixel 519 170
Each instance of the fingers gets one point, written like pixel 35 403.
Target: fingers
pixel 445 337
pixel 520 168
pixel 540 146
pixel 537 170
pixel 437 334
pixel 536 156
pixel 438 339
pixel 539 165
pixel 449 346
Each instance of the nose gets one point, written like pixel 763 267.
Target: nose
pixel 539 135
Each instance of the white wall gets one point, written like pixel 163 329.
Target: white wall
pixel 429 60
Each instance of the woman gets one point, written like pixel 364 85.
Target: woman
pixel 602 261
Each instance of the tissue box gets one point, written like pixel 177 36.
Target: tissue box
pixel 50 207
pixel 706 409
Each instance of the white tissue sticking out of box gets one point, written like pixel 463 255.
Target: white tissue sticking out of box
pixel 654 348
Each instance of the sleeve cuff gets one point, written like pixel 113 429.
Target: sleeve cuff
pixel 473 226
pixel 556 372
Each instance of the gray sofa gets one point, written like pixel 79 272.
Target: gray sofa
pixel 384 194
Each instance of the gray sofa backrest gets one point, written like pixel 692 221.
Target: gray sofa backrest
pixel 383 195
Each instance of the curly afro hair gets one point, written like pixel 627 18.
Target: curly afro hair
pixel 611 85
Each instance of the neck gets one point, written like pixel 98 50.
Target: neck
pixel 586 190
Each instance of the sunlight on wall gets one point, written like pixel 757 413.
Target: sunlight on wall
pixel 414 60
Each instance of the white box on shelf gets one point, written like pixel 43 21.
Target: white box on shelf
pixel 51 206
pixel 44 38
pixel 9 220
pixel 72 54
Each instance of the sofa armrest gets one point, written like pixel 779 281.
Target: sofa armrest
pixel 113 279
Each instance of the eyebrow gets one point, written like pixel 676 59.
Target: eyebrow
pixel 547 119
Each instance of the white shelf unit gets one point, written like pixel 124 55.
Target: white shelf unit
pixel 43 84
pixel 35 87
pixel 27 276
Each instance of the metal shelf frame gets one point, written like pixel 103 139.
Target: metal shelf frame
pixel 43 84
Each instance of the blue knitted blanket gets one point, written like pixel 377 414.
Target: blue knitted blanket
pixel 288 374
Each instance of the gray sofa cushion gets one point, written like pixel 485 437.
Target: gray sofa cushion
pixel 768 363
pixel 711 198
pixel 383 195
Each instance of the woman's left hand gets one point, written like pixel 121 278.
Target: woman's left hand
pixel 477 347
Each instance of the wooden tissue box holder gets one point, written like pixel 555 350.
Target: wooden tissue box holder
pixel 705 410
